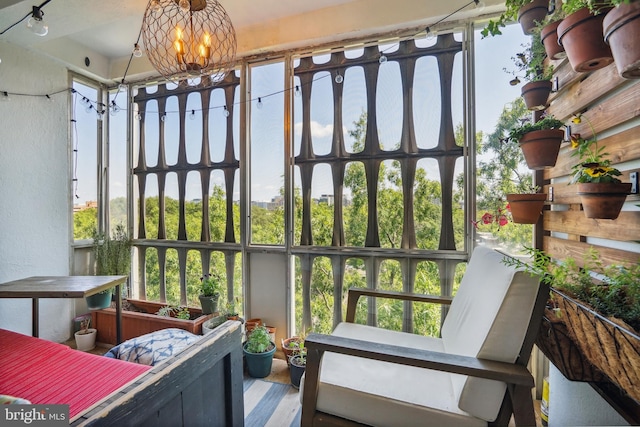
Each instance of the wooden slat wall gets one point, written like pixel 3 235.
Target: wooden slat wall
pixel 612 104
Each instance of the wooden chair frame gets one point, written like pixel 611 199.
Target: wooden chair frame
pixel 517 400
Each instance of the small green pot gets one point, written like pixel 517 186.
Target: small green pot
pixel 209 304
pixel 99 301
pixel 259 364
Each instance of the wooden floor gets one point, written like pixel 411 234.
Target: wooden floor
pixel 279 371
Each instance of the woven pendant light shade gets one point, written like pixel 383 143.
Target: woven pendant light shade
pixel 190 42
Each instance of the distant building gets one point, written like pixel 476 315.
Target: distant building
pixel 91 204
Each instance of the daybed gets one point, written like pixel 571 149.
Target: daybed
pixel 201 385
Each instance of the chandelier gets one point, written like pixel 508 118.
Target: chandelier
pixel 189 42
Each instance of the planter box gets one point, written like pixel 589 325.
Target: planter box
pixel 135 323
pixel 586 346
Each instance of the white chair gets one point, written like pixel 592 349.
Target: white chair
pixel 474 375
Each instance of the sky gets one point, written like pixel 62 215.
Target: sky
pixel 493 92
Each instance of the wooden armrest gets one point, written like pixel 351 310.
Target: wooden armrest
pixel 354 295
pixel 511 373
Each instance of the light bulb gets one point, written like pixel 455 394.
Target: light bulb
pixel 339 79
pixel 184 5
pixel 431 35
pixel 163 117
pixel 259 104
pixel 35 23
pixel 297 92
pixel 382 59
pixel 122 87
pixel 99 115
pixel 192 116
pixel 155 5
pixel 480 5
pixel 138 116
pixel 88 107
pixel 114 109
pixel 4 96
pixel 226 112
pixel 137 52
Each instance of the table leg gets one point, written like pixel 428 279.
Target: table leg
pixel 35 316
pixel 118 315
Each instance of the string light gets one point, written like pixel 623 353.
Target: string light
pixel 137 52
pixel 192 116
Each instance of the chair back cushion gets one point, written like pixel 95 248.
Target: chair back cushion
pixel 488 319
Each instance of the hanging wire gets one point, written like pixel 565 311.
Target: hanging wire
pixel 114 108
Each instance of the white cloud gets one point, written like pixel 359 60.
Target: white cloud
pixel 317 130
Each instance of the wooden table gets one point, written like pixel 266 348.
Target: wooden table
pixel 63 287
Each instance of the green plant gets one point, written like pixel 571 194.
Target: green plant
pixel 595 6
pixel 510 14
pixel 179 312
pixel 547 122
pixel 210 285
pixel 612 290
pixel 530 63
pixel 231 307
pixel 258 340
pixel 112 253
pixel 593 166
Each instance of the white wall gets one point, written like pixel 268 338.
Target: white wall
pixel 574 403
pixel 267 293
pixel 34 186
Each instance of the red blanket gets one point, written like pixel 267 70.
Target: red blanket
pixel 44 372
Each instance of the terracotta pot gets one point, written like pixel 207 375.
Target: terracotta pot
pixel 621 28
pixel 526 208
pixel 541 147
pixel 603 200
pixel 549 37
pixel 536 94
pixel 581 36
pixel 287 350
pixel 250 324
pixel 532 13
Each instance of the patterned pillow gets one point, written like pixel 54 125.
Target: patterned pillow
pixel 11 400
pixel 154 347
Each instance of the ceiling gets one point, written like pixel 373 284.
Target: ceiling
pixel 104 31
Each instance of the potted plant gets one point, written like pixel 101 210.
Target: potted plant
pixel 526 12
pixel 601 192
pixel 597 309
pixel 210 288
pixel 258 351
pixel 179 312
pixel 86 336
pixel 539 141
pixel 298 364
pixel 580 34
pixel 113 258
pixel 530 65
pixel 621 28
pixel 549 35
pixel 526 205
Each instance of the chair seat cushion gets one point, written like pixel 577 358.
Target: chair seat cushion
pixel 391 389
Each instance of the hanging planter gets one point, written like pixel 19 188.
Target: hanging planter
pixel 603 200
pixel 621 28
pixel 541 147
pixel 526 208
pixel 536 94
pixel 549 36
pixel 531 14
pixel 580 34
